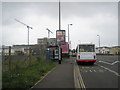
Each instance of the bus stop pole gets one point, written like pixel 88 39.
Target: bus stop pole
pixel 59 49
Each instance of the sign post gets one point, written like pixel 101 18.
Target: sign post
pixel 60 55
pixel 60 39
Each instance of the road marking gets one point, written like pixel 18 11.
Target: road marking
pixel 81 80
pixel 109 63
pixel 78 78
pixel 94 70
pixel 100 70
pixel 86 67
pixel 115 62
pixel 109 70
pixel 75 78
pixel 90 70
pixel 82 67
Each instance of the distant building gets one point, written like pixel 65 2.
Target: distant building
pixel 42 41
pixel 108 50
pixel 97 49
pixel 23 49
pixel 115 50
pixel 5 50
pixel 103 50
pixel 19 48
pixel 52 41
pixel 46 41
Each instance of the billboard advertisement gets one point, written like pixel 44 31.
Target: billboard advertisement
pixel 64 47
pixel 60 36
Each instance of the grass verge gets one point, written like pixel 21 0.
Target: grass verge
pixel 26 77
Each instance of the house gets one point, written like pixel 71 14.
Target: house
pixel 115 50
pixel 108 50
pixel 4 50
pixel 103 50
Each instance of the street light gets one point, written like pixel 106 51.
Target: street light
pixel 99 42
pixel 68 36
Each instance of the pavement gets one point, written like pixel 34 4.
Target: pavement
pixel 61 77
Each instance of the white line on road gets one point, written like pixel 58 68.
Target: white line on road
pixel 90 70
pixel 109 70
pixel 109 63
pixel 115 62
pixel 94 70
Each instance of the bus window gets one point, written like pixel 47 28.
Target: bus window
pixel 86 48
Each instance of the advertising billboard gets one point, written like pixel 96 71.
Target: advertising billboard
pixel 64 47
pixel 60 36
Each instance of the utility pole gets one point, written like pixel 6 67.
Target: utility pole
pixel 28 27
pixel 59 60
pixel 99 42
pixel 9 57
pixel 69 37
pixel 59 16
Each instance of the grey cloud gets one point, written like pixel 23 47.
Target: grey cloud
pixel 68 9
pixel 87 9
pixel 21 10
pixel 11 10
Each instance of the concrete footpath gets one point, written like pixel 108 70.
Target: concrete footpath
pixel 61 77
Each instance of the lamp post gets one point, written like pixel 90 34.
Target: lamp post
pixel 99 42
pixel 68 37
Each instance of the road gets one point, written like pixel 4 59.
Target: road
pixel 104 74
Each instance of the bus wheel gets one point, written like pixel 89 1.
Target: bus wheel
pixel 92 63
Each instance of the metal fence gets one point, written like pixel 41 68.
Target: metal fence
pixel 16 61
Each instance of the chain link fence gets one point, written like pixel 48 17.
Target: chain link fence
pixel 21 59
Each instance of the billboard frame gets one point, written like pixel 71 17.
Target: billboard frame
pixel 64 37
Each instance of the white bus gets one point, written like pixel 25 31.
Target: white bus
pixel 86 53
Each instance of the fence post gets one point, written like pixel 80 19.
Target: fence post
pixel 30 51
pixel 9 57
pixel 3 53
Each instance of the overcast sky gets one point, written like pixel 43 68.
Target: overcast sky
pixel 88 19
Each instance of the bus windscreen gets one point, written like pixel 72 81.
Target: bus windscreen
pixel 86 48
